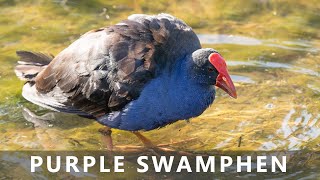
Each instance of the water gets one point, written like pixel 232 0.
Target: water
pixel 273 53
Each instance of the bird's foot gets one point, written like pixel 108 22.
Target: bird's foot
pixel 148 146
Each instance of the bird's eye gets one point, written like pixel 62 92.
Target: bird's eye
pixel 210 69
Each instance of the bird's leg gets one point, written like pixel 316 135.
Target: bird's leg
pixel 106 137
pixel 146 142
pixel 161 147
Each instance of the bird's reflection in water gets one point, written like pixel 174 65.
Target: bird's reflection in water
pixel 48 127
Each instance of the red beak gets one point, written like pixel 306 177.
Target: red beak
pixel 223 80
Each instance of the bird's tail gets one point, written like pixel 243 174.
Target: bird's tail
pixel 30 64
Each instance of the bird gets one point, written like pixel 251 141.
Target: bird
pixel 141 74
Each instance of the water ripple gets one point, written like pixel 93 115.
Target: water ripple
pixel 249 41
pixel 242 79
pixel 295 131
pixel 266 64
pixel 228 39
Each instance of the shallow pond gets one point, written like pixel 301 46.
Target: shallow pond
pixel 272 50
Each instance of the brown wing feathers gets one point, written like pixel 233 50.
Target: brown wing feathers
pixel 107 68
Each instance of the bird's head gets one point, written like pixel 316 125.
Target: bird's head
pixel 208 67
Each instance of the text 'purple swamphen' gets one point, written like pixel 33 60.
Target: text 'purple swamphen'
pixel 140 74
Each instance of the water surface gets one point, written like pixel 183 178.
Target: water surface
pixel 273 53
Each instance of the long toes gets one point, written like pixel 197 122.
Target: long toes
pixel 156 150
pixel 177 142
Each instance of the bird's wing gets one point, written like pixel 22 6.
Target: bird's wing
pixel 107 68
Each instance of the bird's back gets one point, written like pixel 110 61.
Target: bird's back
pixel 107 68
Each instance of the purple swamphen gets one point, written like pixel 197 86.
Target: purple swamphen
pixel 140 74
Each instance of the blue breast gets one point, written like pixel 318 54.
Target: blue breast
pixel 166 99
